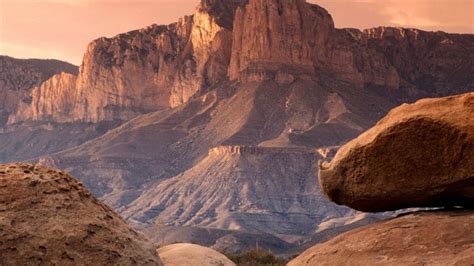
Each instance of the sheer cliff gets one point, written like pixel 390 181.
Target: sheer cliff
pixel 154 68
pixel 19 76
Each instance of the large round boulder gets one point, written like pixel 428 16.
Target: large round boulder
pixel 419 155
pixel 47 217
pixel 190 255
pixel 427 238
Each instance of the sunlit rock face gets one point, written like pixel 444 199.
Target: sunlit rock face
pixel 154 68
pixel 59 90
pixel 19 76
pixel 274 35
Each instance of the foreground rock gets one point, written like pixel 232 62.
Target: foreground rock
pixel 419 155
pixel 190 254
pixel 429 238
pixel 46 216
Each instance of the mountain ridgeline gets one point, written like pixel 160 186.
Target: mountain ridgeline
pixel 161 67
pixel 218 121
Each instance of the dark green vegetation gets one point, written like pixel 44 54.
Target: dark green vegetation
pixel 257 257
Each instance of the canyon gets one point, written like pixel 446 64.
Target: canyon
pixel 217 122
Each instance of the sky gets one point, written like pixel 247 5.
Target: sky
pixel 61 29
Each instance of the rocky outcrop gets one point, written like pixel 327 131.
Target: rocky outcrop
pixel 427 64
pixel 271 36
pixel 190 254
pixel 255 150
pixel 60 92
pixel 48 217
pixel 425 238
pixel 285 40
pixel 19 76
pixel 419 155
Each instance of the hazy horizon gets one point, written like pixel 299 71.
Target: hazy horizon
pixel 61 29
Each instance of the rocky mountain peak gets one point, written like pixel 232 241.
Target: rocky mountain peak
pixel 278 34
pixel 222 10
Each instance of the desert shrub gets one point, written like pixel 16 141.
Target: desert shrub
pixel 256 257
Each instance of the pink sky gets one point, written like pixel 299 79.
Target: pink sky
pixel 61 29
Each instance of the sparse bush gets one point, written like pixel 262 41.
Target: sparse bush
pixel 256 257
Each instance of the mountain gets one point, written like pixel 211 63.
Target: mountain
pixel 19 76
pixel 218 120
pixel 163 66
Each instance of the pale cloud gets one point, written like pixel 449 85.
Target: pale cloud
pixel 432 15
pixel 412 17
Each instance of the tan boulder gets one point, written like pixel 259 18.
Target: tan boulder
pixel 427 238
pixel 419 155
pixel 190 255
pixel 48 217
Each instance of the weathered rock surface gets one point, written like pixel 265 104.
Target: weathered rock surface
pixel 190 255
pixel 419 155
pixel 19 76
pixel 425 238
pixel 270 36
pixel 49 217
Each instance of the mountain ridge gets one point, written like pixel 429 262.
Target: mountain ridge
pixel 132 73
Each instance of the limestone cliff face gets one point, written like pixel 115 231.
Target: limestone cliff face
pixel 59 90
pixel 273 36
pixel 19 76
pixel 284 40
pixel 162 67
pixel 430 62
pixel 140 71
